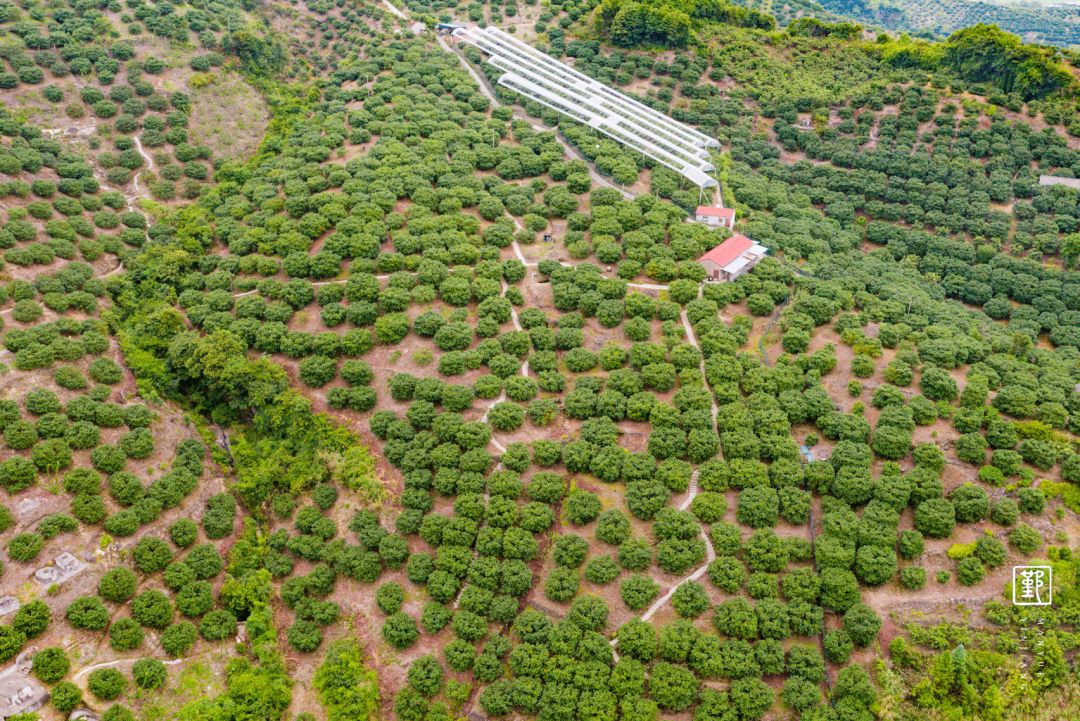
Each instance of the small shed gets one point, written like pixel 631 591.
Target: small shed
pixel 19 694
pixel 715 216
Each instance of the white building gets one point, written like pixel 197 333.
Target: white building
pixel 1059 180
pixel 732 258
pixel 715 216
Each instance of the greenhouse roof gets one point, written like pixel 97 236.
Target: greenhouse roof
pixel 558 86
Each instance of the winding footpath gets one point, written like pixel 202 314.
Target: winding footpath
pixel 130 201
pixel 692 491
pixel 119 661
pixel 691 494
pixel 502 394
pixel 149 166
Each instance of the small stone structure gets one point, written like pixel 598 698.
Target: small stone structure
pixel 24 662
pixel 8 604
pixel 26 506
pixel 19 694
pixel 64 567
pixel 83 714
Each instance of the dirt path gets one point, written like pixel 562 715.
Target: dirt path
pixel 502 395
pixel 394 9
pixel 119 661
pixel 146 157
pixel 692 491
pixel 319 284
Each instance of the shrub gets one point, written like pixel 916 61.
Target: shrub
pixel 118 713
pixel 304 636
pixel 602 570
pixel 138 443
pixel 690 599
pixel 1005 512
pixel 1025 539
pixel 426 675
pixel 88 613
pixel 195 598
pixel 106 683
pixel 66 696
pixel 149 673
pixel 874 565
pixel 125 634
pixel 400 630
pixel 183 532
pixel 390 597
pixel 218 625
pixel 913 577
pixel 105 370
pixel 118 585
pixel 151 555
pixel 935 518
pixel 50 664
pixel 561 584
pixel 970 503
pixel 911 545
pixel 152 608
pixel 758 507
pixel 969 571
pixel 11 641
pixel 204 561
pixel 317 371
pixel 862 624
pixel 178 638
pixel 838 646
pixel 220 516
pixel 839 589
pixel 25 547
pixel 673 687
pixel 638 591
pixel 32 618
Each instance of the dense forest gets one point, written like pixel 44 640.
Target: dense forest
pixel 339 381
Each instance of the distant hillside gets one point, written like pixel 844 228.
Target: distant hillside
pixel 1057 25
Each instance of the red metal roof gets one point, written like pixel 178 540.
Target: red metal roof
pixel 714 211
pixel 729 250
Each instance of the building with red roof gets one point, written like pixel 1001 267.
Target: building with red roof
pixel 732 258
pixel 715 216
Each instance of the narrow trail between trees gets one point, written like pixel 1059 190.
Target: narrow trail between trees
pixel 394 9
pixel 119 661
pixel 768 329
pixel 563 263
pixel 317 284
pixel 691 494
pixel 130 201
pixel 146 157
pixel 524 373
